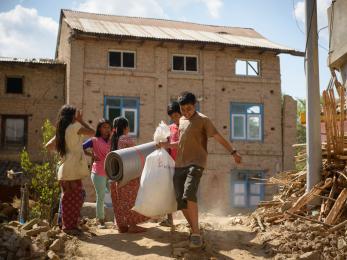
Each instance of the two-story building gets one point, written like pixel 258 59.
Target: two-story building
pixel 134 67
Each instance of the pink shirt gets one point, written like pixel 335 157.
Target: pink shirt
pixel 100 149
pixel 174 137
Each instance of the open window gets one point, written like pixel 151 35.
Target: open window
pixel 123 106
pixel 184 63
pixel 14 85
pixel 122 59
pixel 247 68
pixel 131 115
pixel 14 131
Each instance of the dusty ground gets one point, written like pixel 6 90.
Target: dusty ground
pixel 223 240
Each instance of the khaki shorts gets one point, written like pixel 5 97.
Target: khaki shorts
pixel 186 182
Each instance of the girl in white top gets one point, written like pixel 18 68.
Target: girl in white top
pixel 73 168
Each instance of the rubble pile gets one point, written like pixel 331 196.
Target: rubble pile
pixel 296 223
pixel 33 240
pixel 313 224
pixel 304 240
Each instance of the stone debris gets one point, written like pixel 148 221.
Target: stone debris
pixel 52 255
pixel 236 221
pixel 293 226
pixel 33 240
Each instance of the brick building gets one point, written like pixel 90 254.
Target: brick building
pixel 135 66
pixel 31 91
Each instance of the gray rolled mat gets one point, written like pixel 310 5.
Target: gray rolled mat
pixel 127 164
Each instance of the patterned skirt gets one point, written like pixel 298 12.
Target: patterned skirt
pixel 123 200
pixel 71 203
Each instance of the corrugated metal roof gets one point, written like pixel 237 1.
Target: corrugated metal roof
pixel 30 60
pixel 166 30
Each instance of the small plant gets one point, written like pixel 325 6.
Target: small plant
pixel 44 183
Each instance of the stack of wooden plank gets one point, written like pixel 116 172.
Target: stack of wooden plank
pixel 334 119
pixel 326 202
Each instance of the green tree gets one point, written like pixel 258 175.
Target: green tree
pixel 301 129
pixel 44 183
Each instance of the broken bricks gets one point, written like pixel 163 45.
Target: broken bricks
pixel 30 241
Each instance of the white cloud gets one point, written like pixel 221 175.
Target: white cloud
pixel 24 33
pixel 144 8
pixel 322 16
pixel 147 8
pixel 213 7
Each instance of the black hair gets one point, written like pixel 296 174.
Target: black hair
pixel 173 107
pixel 66 116
pixel 99 125
pixel 119 125
pixel 186 98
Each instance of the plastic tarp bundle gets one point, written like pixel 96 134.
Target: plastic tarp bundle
pixel 156 195
pixel 127 164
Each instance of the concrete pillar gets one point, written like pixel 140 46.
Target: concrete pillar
pixel 314 152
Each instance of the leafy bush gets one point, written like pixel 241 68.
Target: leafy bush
pixel 44 183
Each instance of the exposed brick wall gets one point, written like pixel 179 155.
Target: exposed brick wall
pixel 86 79
pixel 215 84
pixel 289 132
pixel 43 87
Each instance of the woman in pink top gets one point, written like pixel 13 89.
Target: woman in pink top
pixel 123 198
pixel 100 145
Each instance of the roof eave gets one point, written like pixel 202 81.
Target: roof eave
pixel 277 51
pixel 59 30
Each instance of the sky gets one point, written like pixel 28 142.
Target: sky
pixel 28 28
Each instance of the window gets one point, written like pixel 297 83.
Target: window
pixel 123 106
pixel 14 85
pixel 246 122
pixel 121 59
pixel 13 132
pixel 247 68
pixel 247 189
pixel 185 63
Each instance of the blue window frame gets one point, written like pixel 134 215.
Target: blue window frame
pixel 246 192
pixel 123 106
pixel 246 121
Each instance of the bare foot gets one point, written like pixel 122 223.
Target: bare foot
pixel 123 229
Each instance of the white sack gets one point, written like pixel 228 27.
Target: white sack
pixel 156 195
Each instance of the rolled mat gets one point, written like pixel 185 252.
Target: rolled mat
pixel 127 164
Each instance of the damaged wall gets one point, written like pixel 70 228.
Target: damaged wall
pixel 42 97
pixel 289 120
pixel 154 83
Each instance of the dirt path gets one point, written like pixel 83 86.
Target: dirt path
pixel 222 241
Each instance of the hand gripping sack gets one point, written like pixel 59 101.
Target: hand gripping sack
pixel 162 132
pixel 156 195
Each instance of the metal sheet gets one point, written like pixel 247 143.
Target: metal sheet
pixel 170 30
